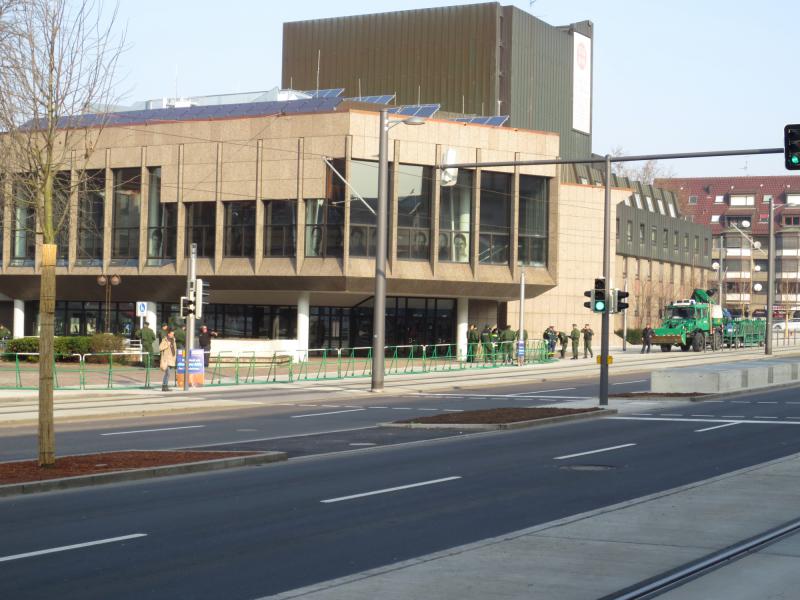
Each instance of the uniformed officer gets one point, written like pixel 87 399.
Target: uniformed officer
pixel 148 336
pixel 588 334
pixel 563 338
pixel 575 336
pixel 507 339
pixel 473 339
pixel 486 343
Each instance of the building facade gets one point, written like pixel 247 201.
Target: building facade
pixel 477 59
pixel 736 209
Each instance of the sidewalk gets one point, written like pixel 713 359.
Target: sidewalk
pixel 590 555
pixel 20 407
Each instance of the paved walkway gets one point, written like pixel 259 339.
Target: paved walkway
pixel 19 407
pixel 590 555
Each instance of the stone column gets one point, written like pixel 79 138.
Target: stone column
pixel 303 312
pixel 18 328
pixel 462 324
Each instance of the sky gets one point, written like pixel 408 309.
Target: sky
pixel 669 76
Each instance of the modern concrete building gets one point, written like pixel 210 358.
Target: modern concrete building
pixel 737 211
pixel 476 59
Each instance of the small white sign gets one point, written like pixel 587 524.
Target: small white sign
pixel 141 309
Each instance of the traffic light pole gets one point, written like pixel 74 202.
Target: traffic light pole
pixel 189 339
pixel 604 328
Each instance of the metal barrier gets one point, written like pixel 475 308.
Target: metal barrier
pixel 133 370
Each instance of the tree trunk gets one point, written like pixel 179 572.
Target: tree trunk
pixel 47 305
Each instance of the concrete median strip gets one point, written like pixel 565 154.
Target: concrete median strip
pixel 48 485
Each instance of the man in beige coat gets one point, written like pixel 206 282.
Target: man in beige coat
pixel 169 354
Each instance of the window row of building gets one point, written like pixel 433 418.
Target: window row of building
pixel 324 219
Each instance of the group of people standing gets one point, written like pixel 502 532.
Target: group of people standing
pixel 493 344
pixel 551 337
pixel 170 340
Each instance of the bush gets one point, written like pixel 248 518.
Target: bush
pixel 25 344
pixel 104 343
pixel 66 346
pixel 634 336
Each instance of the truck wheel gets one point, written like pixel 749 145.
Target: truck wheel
pixel 717 341
pixel 685 347
pixel 698 342
pixel 666 347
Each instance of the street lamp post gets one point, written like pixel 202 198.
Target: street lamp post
pixel 108 281
pixel 379 304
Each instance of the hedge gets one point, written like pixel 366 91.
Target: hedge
pixel 67 346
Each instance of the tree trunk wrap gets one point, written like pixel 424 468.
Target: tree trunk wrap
pixel 47 305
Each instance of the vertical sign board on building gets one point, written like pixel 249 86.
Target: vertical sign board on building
pixel 196 370
pixel 581 83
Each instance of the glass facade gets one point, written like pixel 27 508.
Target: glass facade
pixel 85 318
pixel 91 201
pixel 280 225
pixel 252 321
pixel 201 225
pixel 240 229
pixel 414 199
pixel 23 228
pixel 126 210
pixel 162 223
pixel 363 219
pixel 495 222
pixel 61 194
pixel 455 219
pixel 532 242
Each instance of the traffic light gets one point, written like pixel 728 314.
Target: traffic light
pixel 187 307
pixel 791 147
pixel 620 300
pixel 590 303
pixel 201 295
pixel 599 299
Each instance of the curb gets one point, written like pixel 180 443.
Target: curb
pixel 65 483
pixel 504 426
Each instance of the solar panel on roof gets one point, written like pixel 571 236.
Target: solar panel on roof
pixel 416 110
pixel 383 99
pixel 329 93
pixel 495 121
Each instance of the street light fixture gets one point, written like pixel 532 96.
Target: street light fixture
pixel 108 281
pixel 379 304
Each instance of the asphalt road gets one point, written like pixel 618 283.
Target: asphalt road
pixel 259 530
pixel 292 413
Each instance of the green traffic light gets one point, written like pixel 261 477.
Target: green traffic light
pixel 795 159
pixel 599 306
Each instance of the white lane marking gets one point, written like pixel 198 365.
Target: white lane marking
pixel 712 401
pixel 724 419
pixel 333 412
pixel 453 410
pixel 766 402
pixel 733 416
pixel 627 382
pixel 740 401
pixel 758 417
pixel 392 489
pixel 593 451
pixel 542 391
pixel 671 414
pixel 401 408
pixel 428 409
pixel 151 430
pixel 793 417
pixel 72 547
pixel 710 416
pixel 332 406
pixel 715 427
pixel 377 407
pixel 642 414
pixel 362 444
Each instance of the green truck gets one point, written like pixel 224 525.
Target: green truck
pixel 699 323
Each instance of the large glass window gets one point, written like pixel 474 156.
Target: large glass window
pixel 455 219
pixel 162 222
pixel 532 244
pixel 495 222
pixel 23 227
pixel 201 225
pixel 252 321
pixel 280 224
pixel 88 318
pixel 61 194
pixel 414 187
pixel 125 226
pixel 325 221
pixel 91 202
pixel 363 214
pixel 240 229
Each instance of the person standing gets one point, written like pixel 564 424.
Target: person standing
pixel 575 336
pixel 148 337
pixel 169 355
pixel 204 340
pixel 647 338
pixel 163 332
pixel 588 334
pixel 563 338
pixel 486 343
pixel 180 337
pixel 507 339
pixel 494 336
pixel 473 338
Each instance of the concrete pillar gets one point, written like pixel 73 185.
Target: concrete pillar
pixel 18 328
pixel 303 312
pixel 151 316
pixel 462 324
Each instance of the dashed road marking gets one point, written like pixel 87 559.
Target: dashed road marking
pixel 335 412
pixel 566 456
pixel 153 430
pixel 715 427
pixel 392 489
pixel 758 417
pixel 72 547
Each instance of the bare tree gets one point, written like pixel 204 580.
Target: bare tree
pixel 57 62
pixel 646 172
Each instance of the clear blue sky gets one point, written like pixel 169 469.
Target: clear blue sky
pixel 669 76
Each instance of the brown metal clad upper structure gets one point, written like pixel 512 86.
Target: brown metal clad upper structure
pixel 482 59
